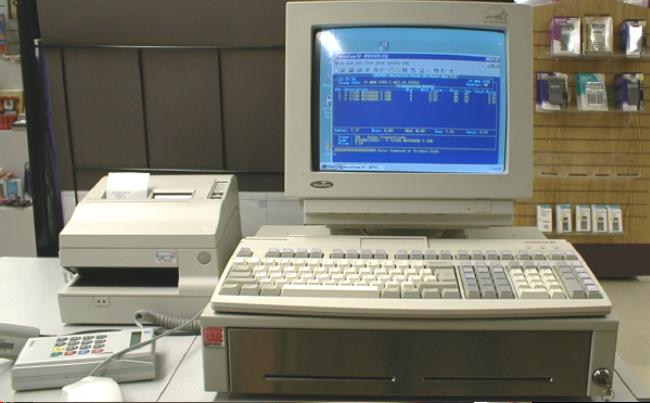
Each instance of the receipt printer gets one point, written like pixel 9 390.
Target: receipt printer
pixel 163 252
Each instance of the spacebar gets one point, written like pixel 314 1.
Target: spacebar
pixel 330 291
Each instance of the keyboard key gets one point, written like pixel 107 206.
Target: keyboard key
pixel 593 292
pixel 463 255
pixel 245 252
pixel 450 293
pixel 391 292
pixel 430 254
pixel 529 293
pixel 430 293
pixel 273 252
pixel 381 254
pixel 351 254
pixel 348 291
pixel 286 253
pixel 477 255
pixel 315 253
pixel 366 254
pixel 445 255
pixel 302 253
pixel 401 255
pixel 505 293
pixel 410 293
pixel 337 254
pixel 230 289
pixel 250 289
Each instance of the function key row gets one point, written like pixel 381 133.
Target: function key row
pixel 415 254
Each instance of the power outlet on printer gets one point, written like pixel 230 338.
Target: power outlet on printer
pixel 101 301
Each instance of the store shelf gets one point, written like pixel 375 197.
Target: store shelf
pixel 619 57
pixel 575 110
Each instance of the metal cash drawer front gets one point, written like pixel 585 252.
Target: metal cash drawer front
pixel 408 363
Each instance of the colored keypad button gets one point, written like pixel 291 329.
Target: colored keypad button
pixel 99 345
pixel 59 344
pixel 97 351
pixel 55 354
pixel 82 352
pixel 71 348
pixel 75 338
pixel 70 352
pixel 62 339
pixel 101 336
pixel 88 337
pixel 57 349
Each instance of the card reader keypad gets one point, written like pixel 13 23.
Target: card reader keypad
pixel 79 345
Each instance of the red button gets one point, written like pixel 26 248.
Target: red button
pixel 213 336
pixel 98 350
pixel 70 352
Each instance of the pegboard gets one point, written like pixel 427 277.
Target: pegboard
pixel 591 157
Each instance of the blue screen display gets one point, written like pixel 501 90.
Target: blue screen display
pixel 430 100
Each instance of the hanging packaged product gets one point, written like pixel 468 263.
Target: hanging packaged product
pixel 591 92
pixel 583 218
pixel 597 34
pixel 629 91
pixel 552 91
pixel 544 218
pixel 599 221
pixel 565 35
pixel 633 37
pixel 14 189
pixel 615 219
pixel 563 218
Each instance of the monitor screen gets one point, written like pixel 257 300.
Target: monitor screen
pixel 399 99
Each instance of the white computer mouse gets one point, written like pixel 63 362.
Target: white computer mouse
pixel 93 389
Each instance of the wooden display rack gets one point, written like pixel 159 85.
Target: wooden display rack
pixel 594 157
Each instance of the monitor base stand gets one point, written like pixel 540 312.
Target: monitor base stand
pixel 477 233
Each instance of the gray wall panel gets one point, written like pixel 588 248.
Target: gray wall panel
pixel 183 108
pixel 162 22
pixel 104 98
pixel 253 97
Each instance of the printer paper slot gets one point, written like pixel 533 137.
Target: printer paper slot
pixel 126 277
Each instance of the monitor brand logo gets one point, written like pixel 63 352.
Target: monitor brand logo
pixel 495 15
pixel 321 184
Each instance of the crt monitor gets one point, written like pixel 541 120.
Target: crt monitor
pixel 408 113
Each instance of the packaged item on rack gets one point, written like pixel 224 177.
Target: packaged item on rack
pixel 552 91
pixel 591 91
pixel 583 218
pixel 3 34
pixel 615 219
pixel 14 189
pixel 15 93
pixel 563 218
pixel 9 111
pixel 565 35
pixel 629 91
pixel 599 221
pixel 640 3
pixel 544 218
pixel 597 34
pixel 633 37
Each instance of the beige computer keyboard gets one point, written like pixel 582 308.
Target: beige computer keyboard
pixel 368 276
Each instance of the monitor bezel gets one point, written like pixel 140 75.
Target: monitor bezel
pixel 304 19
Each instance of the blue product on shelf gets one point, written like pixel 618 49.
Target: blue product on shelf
pixel 552 90
pixel 633 37
pixel 629 92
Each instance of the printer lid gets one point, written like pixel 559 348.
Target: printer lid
pixel 180 211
